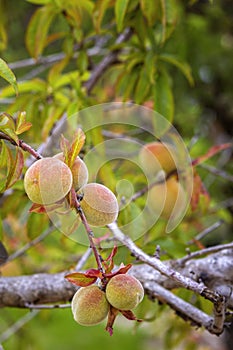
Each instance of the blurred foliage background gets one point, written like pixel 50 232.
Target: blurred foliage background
pixel 178 59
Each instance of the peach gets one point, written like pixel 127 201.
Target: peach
pixel 99 204
pixel 47 181
pixel 89 306
pixel 163 197
pixel 156 156
pixel 124 292
pixel 79 171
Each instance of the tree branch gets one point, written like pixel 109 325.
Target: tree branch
pixel 216 270
pixel 107 61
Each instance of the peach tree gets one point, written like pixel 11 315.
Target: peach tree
pixel 91 159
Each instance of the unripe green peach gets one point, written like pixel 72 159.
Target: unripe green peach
pixel 99 204
pixel 163 197
pixel 79 171
pixel 89 305
pixel 47 181
pixel 124 292
pixel 156 156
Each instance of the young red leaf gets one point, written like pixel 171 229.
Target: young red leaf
pixel 130 315
pixel 198 190
pixel 212 151
pixel 94 273
pixel 108 263
pixel 122 270
pixel 111 319
pixel 37 208
pixel 80 279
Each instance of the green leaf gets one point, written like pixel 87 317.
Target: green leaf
pixel 98 13
pixel 38 28
pixel 80 279
pixel 182 66
pixel 150 10
pixel 15 169
pixel 21 124
pixel 163 97
pixel 7 126
pixel 120 11
pixel 34 85
pixel 76 146
pixel 143 86
pixel 7 74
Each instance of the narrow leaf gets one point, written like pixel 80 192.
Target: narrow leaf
pixel 7 74
pixel 182 66
pixel 21 124
pixel 65 146
pixel 212 151
pixel 93 273
pixel 15 169
pixel 36 36
pixel 76 146
pixel 120 12
pixel 149 10
pixel 80 279
pixel 163 97
pixel 130 315
pixel 99 11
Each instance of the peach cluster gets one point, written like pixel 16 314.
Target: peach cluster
pixel 90 305
pixel 49 180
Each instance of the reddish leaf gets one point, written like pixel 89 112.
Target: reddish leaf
pixel 93 273
pixel 198 190
pixel 76 146
pixel 130 315
pixel 15 169
pixel 212 151
pixel 80 279
pixel 111 319
pixel 108 263
pixel 122 270
pixel 37 208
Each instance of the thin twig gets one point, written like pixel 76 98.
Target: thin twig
pixel 23 145
pixel 205 251
pixel 46 306
pixel 89 231
pixel 217 172
pixel 83 259
pixel 17 325
pixel 30 244
pixel 206 231
pixel 107 61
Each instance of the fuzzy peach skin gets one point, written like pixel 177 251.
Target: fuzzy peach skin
pixel 89 306
pixel 99 204
pixel 47 181
pixel 124 292
pixel 79 171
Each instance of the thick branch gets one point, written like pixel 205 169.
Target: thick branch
pixel 35 289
